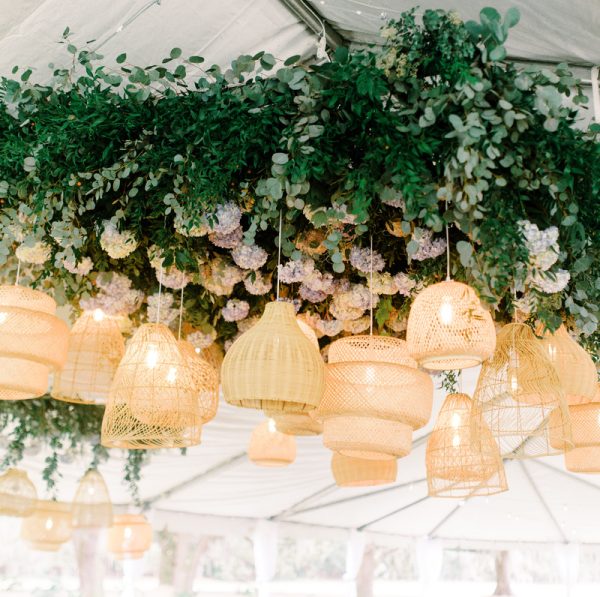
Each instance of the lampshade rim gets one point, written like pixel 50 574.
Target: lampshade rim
pixel 428 361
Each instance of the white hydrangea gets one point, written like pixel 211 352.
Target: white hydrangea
pixel 170 277
pixel 249 256
pixel 404 283
pixel 182 228
pixel 37 253
pixel 542 244
pixel 340 309
pixel 358 296
pixel 383 283
pixel 261 284
pixel 357 326
pixel 81 268
pixel 235 309
pixel 201 339
pixel 296 271
pixel 220 276
pixel 226 218
pixel 331 327
pixel 550 283
pixel 229 240
pixel 117 244
pixel 429 248
pixel 116 296
pixel 167 314
pixel 360 259
pixel 319 282
pixel 313 296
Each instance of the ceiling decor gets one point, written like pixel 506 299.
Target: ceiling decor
pixel 49 527
pixel 296 423
pixel 91 506
pixel 129 537
pixel 18 495
pixel 270 447
pixel 362 472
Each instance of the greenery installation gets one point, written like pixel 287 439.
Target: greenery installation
pixel 112 177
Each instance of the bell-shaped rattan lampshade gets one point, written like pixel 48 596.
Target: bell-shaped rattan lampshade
pixel 213 355
pixel 448 328
pixel 129 536
pixel 49 527
pixel 296 423
pixel 269 447
pixel 18 496
pixel 32 341
pixel 95 349
pixel 462 458
pixel 374 398
pixel 361 472
pixel 92 507
pixel 517 391
pixel 273 366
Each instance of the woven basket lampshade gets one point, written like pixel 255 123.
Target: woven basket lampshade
pixel 296 423
pixel 361 472
pixel 95 349
pixel 18 496
pixel 448 328
pixel 517 391
pixel 129 537
pixel 269 447
pixel 462 458
pixel 273 366
pixel 375 397
pixel 49 527
pixel 33 341
pixel 92 507
pixel 213 355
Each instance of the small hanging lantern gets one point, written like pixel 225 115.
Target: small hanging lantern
pixel 269 447
pixel 92 507
pixel 129 537
pixel 49 527
pixel 18 496
pixel 296 423
pixel 361 472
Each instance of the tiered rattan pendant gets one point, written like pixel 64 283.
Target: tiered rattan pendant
pixel 269 447
pixel 18 496
pixel 32 342
pixel 273 366
pixel 361 472
pixel 449 329
pixel 95 349
pixel 49 527
pixel 129 537
pixel 296 423
pixel 462 460
pixel 375 397
pixel 92 507
pixel 517 391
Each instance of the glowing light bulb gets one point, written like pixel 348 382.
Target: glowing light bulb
pixel 172 375
pixel 446 311
pixel 455 440
pixel 514 383
pixel 49 524
pixel 127 533
pixel 455 420
pixel 272 426
pixel 552 352
pixel 151 357
pixel 98 314
pixel 3 318
pixel 197 350
pixel 370 375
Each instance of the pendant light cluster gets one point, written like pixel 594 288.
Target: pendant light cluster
pixel 269 447
pixel 49 527
pixel 129 537
pixel 18 495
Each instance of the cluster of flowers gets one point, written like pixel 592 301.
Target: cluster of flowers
pixel 116 296
pixel 171 277
pixel 115 243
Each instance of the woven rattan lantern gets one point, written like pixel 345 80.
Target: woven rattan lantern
pixel 49 527
pixel 462 458
pixel 213 355
pixel 18 496
pixel 517 390
pixel 129 536
pixel 448 328
pixel 269 447
pixel 95 349
pixel 32 342
pixel 296 423
pixel 92 507
pixel 273 366
pixel 361 472
pixel 375 397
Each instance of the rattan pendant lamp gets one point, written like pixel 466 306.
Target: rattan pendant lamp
pixel 49 527
pixel 361 472
pixel 129 537
pixel 92 507
pixel 269 447
pixel 18 496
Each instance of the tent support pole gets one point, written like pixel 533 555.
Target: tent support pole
pixel 314 21
pixel 397 511
pixel 292 509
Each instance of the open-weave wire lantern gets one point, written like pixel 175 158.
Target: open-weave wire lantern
pixel 49 527
pixel 213 355
pixel 362 472
pixel 92 507
pixel 18 496
pixel 95 349
pixel 129 536
pixel 296 423
pixel 448 328
pixel 517 390
pixel 273 366
pixel 374 398
pixel 32 342
pixel 462 458
pixel 269 447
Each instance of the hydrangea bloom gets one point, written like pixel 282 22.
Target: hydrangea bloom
pixel 220 276
pixel 116 296
pixel 360 258
pixel 225 219
pixel 404 283
pixel 259 286
pixel 429 248
pixel 296 271
pixel 383 283
pixel 182 228
pixel 201 339
pixel 313 296
pixel 81 268
pixel 542 244
pixel 249 256
pixel 117 244
pixel 340 309
pixel 331 327
pixel 551 284
pixel 37 254
pixel 357 326
pixel 171 277
pixel 228 240
pixel 235 309
pixel 166 314
pixel 319 282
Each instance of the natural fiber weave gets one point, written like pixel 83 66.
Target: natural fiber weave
pixel 269 447
pixel 375 397
pixel 95 349
pixel 18 496
pixel 296 423
pixel 92 507
pixel 21 379
pixel 49 527
pixel 462 458
pixel 213 355
pixel 583 460
pixel 308 332
pixel 358 472
pixel 129 536
pixel 517 390
pixel 273 366
pixel 448 328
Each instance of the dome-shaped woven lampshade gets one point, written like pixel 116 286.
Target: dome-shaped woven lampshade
pixel 32 341
pixel 462 458
pixel 517 390
pixel 213 355
pixel 92 507
pixel 448 328
pixel 18 496
pixel 374 398
pixel 49 527
pixel 95 349
pixel 296 423
pixel 575 368
pixel 361 472
pixel 129 536
pixel 269 447
pixel 273 366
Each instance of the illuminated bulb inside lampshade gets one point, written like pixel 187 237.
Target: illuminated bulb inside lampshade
pixel 514 383
pixel 552 352
pixel 172 375
pixel 370 375
pixel 91 490
pixel 49 524
pixel 197 350
pixel 151 357
pixel 455 421
pixel 272 426
pixel 455 440
pixel 98 314
pixel 446 311
pixel 3 318
pixel 127 533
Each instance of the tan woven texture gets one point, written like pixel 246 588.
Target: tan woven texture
pixel 269 447
pixel 358 472
pixel 296 423
pixel 273 366
pixel 517 390
pixel 129 536
pixel 95 349
pixel 18 496
pixel 448 328
pixel 375 397
pixel 213 355
pixel 583 460
pixel 49 527
pixel 92 507
pixel 462 458
pixel 21 379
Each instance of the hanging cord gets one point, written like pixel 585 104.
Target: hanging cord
pixel 371 291
pixel 18 272
pixel 448 277
pixel 279 249
pixel 180 313
pixel 159 294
